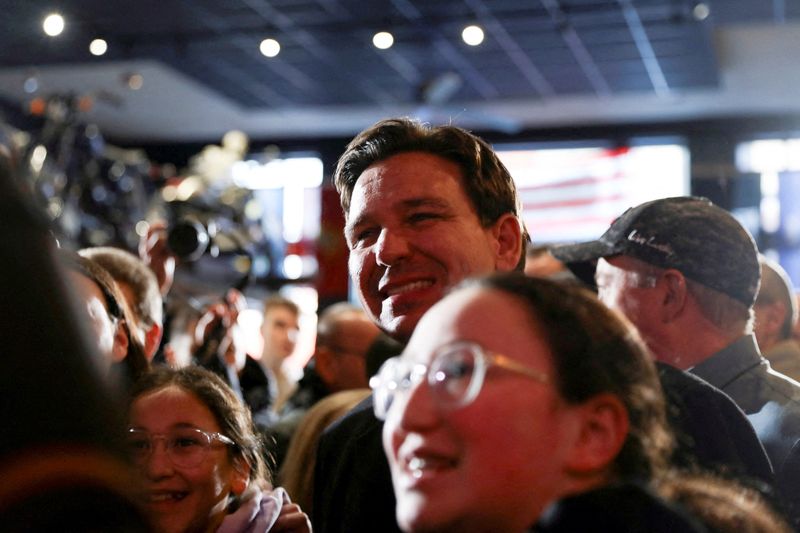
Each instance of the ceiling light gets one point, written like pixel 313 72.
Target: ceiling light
pixel 472 35
pixel 31 84
pixel 53 24
pixel 134 81
pixel 270 47
pixel 383 40
pixel 98 47
pixel 701 11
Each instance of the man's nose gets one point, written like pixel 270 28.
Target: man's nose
pixel 390 247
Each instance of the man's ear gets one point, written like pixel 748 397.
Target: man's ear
pixel 120 349
pixel 674 294
pixel 603 429
pixel 240 477
pixel 507 234
pixel 152 338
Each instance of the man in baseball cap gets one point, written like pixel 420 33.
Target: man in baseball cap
pixel 686 273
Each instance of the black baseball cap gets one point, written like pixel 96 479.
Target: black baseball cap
pixel 690 234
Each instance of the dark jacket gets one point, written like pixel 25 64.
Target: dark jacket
pixel 710 430
pixel 771 402
pixel 625 508
pixel 352 484
pixel 310 390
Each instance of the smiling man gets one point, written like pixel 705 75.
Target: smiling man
pixel 422 218
pixel 425 208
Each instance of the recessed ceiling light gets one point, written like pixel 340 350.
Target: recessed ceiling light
pixel 98 47
pixel 270 47
pixel 472 35
pixel 133 80
pixel 701 11
pixel 383 40
pixel 31 84
pixel 53 24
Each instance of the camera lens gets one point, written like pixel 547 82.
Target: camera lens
pixel 188 239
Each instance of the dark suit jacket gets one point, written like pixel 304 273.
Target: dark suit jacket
pixel 352 485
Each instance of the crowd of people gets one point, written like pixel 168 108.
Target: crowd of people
pixel 616 385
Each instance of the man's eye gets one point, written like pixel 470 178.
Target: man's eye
pixel 364 235
pixel 422 216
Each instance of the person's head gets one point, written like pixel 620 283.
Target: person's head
pixel 344 335
pixel 775 307
pixel 425 207
pixel 512 393
pixel 195 446
pixel 107 314
pixel 540 263
pixel 279 328
pixel 140 288
pixel 673 265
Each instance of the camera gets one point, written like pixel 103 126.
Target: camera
pixel 188 239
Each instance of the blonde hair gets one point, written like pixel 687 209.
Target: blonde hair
pixel 297 473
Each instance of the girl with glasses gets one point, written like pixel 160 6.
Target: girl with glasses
pixel 513 394
pixel 201 461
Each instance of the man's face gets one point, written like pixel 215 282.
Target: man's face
pixel 92 301
pixel 346 353
pixel 495 463
pixel 279 330
pixel 412 234
pixel 620 286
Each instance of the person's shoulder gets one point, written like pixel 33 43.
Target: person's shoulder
pixel 692 389
pixel 623 508
pixel 680 380
pixel 359 421
pixel 782 388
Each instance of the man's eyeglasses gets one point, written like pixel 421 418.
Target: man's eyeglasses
pixel 185 447
pixel 455 376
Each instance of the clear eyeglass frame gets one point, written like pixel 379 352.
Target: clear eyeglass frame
pixel 185 447
pixel 455 376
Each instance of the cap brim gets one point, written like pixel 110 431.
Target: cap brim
pixel 582 252
pixel 582 258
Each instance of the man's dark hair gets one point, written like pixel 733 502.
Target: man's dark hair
pixel 487 182
pixel 596 351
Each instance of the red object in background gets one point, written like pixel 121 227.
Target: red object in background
pixel 332 253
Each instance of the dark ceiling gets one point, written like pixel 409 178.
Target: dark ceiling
pixel 534 50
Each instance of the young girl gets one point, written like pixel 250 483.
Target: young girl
pixel 202 464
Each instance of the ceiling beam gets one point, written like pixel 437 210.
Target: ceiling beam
pixel 578 49
pixel 645 48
